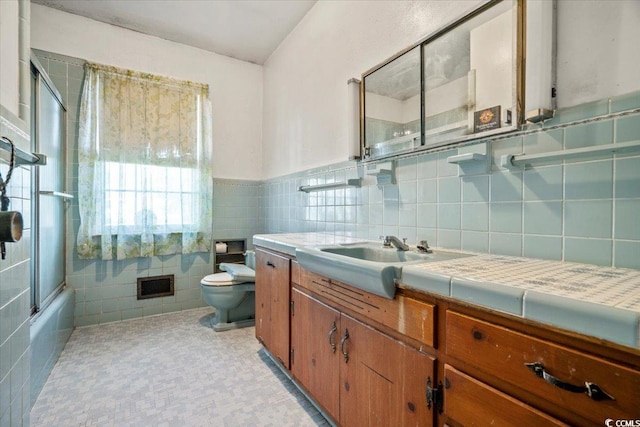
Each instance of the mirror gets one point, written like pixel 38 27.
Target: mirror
pixel 458 84
pixel 392 105
pixel 469 75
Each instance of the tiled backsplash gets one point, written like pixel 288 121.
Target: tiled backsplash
pixel 15 400
pixel 236 209
pixel 585 210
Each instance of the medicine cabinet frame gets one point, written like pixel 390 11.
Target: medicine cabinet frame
pixel 380 138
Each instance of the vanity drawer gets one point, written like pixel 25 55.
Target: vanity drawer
pixel 473 403
pixel 505 354
pixel 410 317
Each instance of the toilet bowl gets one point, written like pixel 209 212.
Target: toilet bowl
pixel 234 301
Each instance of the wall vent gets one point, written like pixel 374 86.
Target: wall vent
pixel 155 286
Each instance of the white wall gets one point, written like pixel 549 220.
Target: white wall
pixel 598 52
pixel 9 68
pixel 235 86
pixel 384 108
pixel 305 93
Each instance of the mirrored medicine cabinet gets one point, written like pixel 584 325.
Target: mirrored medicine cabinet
pixel 460 83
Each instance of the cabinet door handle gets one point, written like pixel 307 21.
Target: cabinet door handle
pixel 590 389
pixel 345 337
pixel 332 332
pixel 270 264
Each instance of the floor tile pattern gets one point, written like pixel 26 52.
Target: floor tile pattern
pixel 165 371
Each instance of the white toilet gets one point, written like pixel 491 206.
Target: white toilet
pixel 232 294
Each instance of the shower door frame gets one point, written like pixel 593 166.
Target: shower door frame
pixel 39 77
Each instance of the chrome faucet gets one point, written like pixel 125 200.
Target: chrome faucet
pixel 393 240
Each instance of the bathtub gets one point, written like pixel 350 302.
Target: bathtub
pixel 49 333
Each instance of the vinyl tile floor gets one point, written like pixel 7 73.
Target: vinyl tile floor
pixel 165 371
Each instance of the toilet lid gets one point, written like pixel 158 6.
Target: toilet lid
pixel 219 279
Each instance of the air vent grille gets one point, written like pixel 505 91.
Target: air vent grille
pixel 155 286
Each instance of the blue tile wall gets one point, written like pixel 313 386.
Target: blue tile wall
pixel 506 244
pixel 590 180
pixel 543 247
pixel 589 134
pixel 588 218
pixel 627 175
pixel 15 299
pixel 506 217
pixel 475 188
pixel 591 251
pixel 580 209
pixel 543 183
pixel 541 142
pixel 627 129
pixel 543 218
pixel 627 220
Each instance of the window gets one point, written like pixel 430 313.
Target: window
pixel 144 152
pixel 140 196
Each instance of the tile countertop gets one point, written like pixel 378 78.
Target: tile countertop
pixel 598 301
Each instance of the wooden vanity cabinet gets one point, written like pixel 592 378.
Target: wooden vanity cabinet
pixel 372 361
pixel 359 375
pixel 273 275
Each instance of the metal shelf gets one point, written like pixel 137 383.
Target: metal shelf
pixel 23 157
pixel 356 182
pixel 518 161
pixel 467 157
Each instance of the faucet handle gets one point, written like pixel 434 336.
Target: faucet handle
pixel 386 242
pixel 423 246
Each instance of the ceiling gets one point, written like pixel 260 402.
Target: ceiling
pixel 249 30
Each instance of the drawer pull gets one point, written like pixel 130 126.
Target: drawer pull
pixel 590 389
pixel 345 354
pixel 270 264
pixel 332 332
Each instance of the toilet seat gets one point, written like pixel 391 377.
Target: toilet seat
pixel 219 279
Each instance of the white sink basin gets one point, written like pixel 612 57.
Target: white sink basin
pixel 375 254
pixel 368 266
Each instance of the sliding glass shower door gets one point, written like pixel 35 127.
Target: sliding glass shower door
pixel 48 210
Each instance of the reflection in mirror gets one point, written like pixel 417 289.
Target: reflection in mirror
pixel 462 82
pixel 469 76
pixel 392 106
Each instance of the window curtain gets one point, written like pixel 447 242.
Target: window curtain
pixel 144 174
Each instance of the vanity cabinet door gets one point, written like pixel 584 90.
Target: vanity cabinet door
pixel 417 368
pixel 382 381
pixel 263 300
pixel 272 303
pixel 371 376
pixel 315 338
